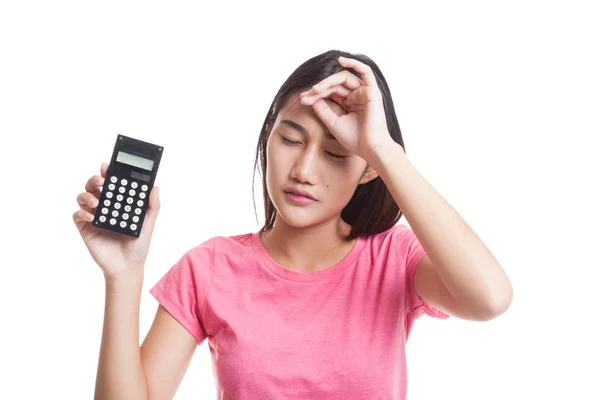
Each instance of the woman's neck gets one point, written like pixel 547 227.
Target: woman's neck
pixel 307 249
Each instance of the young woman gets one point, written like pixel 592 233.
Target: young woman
pixel 319 303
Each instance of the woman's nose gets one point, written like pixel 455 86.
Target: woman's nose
pixel 305 166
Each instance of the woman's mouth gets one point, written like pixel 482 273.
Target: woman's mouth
pixel 297 198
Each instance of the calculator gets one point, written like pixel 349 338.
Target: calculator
pixel 126 190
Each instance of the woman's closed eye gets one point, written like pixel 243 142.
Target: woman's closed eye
pixel 334 156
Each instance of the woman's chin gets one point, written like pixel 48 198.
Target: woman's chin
pixel 298 218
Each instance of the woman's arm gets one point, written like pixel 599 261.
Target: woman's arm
pixel 120 373
pixel 456 257
pixel 126 370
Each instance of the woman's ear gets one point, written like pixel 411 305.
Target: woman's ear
pixel 368 175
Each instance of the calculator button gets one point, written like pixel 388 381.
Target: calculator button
pixel 115 213
pixel 144 188
pixel 107 203
pixel 132 192
pixel 135 218
pixel 112 221
pixel 127 208
pixel 119 197
pixel 138 211
pixel 129 200
pixel 142 195
pixel 113 179
pixel 117 205
pixel 133 227
pixel 104 210
pixel 140 203
pixel 121 189
pixel 125 216
pixel 102 218
pixel 134 185
pixel 123 224
pixel 111 187
pixel 124 182
pixel 109 195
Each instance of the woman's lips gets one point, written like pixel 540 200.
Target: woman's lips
pixel 299 192
pixel 296 198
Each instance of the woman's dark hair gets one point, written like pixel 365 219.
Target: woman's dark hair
pixel 372 209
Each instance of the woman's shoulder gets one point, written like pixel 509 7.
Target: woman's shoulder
pixel 224 239
pixel 224 243
pixel 393 242
pixel 206 250
pixel 397 232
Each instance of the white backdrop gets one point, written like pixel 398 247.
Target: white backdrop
pixel 498 104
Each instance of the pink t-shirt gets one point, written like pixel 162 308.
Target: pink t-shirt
pixel 274 333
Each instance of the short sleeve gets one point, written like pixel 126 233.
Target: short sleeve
pixel 412 251
pixel 183 289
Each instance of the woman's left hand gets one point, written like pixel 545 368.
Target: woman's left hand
pixel 363 129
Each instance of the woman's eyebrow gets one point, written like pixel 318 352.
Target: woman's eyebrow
pixel 303 130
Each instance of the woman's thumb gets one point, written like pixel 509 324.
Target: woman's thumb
pixel 154 204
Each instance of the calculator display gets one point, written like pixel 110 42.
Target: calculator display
pixel 143 177
pixel 134 160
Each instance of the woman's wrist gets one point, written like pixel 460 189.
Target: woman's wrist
pixel 124 282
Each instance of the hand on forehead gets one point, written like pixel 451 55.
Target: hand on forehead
pixel 294 107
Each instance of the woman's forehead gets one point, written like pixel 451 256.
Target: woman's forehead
pixel 294 109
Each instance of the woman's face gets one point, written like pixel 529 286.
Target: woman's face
pixel 302 154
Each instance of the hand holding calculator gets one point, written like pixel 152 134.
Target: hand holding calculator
pixel 119 208
pixel 130 177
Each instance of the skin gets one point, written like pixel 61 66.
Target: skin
pixel 310 237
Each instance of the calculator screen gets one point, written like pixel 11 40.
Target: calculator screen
pixel 143 177
pixel 134 160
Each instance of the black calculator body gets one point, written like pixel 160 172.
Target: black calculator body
pixel 126 190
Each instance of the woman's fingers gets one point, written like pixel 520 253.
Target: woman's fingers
pixel 80 217
pixel 87 203
pixel 88 200
pixel 84 215
pixel 344 78
pixel 103 169
pixel 363 69
pixel 93 185
pixel 340 100
pixel 338 89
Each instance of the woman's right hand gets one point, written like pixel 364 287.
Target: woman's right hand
pixel 119 256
